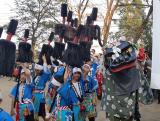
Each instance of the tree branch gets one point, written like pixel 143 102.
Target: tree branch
pixel 85 6
pixel 134 4
pixel 144 23
pixel 108 20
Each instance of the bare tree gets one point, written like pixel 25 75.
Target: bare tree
pixel 37 15
pixel 79 8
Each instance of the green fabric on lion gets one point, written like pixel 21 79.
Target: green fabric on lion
pixel 122 107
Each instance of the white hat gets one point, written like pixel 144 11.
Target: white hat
pixel 38 67
pixel 1 95
pixel 55 82
pixel 87 65
pixel 75 69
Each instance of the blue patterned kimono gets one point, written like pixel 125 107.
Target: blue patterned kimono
pixel 39 85
pixel 24 98
pixel 69 98
pixel 90 86
pixel 92 83
pixel 4 116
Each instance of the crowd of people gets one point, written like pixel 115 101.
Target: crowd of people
pixel 71 93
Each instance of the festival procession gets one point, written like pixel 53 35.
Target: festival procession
pixel 66 78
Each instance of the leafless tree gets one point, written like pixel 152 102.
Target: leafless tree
pixel 37 15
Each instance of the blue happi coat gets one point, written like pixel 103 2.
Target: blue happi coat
pixel 93 69
pixel 39 85
pixel 59 73
pixel 4 116
pixel 27 96
pixel 69 98
pixel 51 86
pixel 92 83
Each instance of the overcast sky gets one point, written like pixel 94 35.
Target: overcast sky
pixel 5 13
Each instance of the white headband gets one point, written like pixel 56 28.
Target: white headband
pixel 75 69
pixel 55 82
pixel 87 66
pixel 38 67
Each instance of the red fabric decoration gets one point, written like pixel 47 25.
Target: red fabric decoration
pixel 17 111
pixel 99 77
pixel 15 72
pixel 82 108
pixel 141 54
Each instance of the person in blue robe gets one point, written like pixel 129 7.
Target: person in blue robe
pixel 55 83
pixel 70 96
pixel 21 95
pixel 94 67
pixel 43 75
pixel 90 86
pixel 4 116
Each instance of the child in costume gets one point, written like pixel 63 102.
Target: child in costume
pixel 99 77
pixel 54 84
pixel 70 96
pixel 42 76
pixel 21 95
pixel 94 66
pixel 90 86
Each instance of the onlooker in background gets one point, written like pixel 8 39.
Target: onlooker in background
pixel 99 77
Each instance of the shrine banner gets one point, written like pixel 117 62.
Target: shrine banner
pixel 155 78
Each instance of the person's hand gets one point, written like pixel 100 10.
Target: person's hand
pixel 67 73
pixel 12 112
pixel 27 72
pixel 52 59
pixel 48 116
